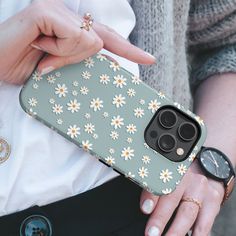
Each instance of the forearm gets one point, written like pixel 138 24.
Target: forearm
pixel 215 101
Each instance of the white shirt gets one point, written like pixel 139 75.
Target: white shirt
pixel 44 167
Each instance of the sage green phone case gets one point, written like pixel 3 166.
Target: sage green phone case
pixel 104 109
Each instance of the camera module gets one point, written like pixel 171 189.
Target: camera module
pixel 187 131
pixel 167 142
pixel 167 118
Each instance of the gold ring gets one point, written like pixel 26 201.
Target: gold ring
pixel 190 199
pixel 87 22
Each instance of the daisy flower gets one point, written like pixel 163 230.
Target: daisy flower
pixel 89 62
pixel 84 90
pixel 199 120
pixel 32 102
pixel 105 114
pixel 74 93
pixel 73 106
pixel 86 75
pixel 146 159
pixel 35 86
pixel 166 191
pixel 129 175
pixel 166 175
pixel 131 92
pixel 115 66
pixel 51 100
pixel 114 135
pixel 96 104
pixel 143 172
pixel 111 150
pixel 119 81
pixel 76 83
pixel 142 101
pixel 129 140
pixel 51 79
pixel 127 153
pixel 58 109
pixel 118 101
pixel 73 131
pixel 104 79
pixel 139 112
pixel 61 90
pixel 131 128
pixel 36 76
pixel 58 74
pixel 87 116
pixel 110 160
pixel 182 169
pixel 101 57
pixel 87 145
pixel 153 105
pixel 89 128
pixel 161 95
pixel 117 122
pixel 136 80
pixel 59 121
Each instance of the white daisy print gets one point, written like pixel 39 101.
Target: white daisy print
pixel 86 75
pixel 51 79
pixel 32 102
pixel 105 114
pixel 139 112
pixel 89 62
pixel 89 128
pixel 131 129
pixel 73 106
pixel 74 93
pixel 61 90
pixel 136 80
pixel 32 112
pixel 104 79
pixel 73 131
pixel 127 153
pixel 143 172
pixel 192 156
pixel 142 101
pixel 35 86
pixel 161 95
pixel 84 90
pixel 87 116
pixel 129 140
pixel 131 92
pixel 118 101
pixel 101 57
pixel 95 136
pixel 96 104
pixel 58 109
pixel 110 160
pixel 154 105
pixel 76 83
pixel 115 66
pixel 146 159
pixel 111 150
pixel 58 74
pixel 177 105
pixel 119 81
pixel 86 145
pixel 199 120
pixel 51 100
pixel 166 191
pixel 182 169
pixel 114 135
pixel 129 175
pixel 117 122
pixel 59 121
pixel 146 145
pixel 36 76
pixel 165 175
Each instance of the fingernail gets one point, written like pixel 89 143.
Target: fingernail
pixel 147 206
pixel 47 70
pixel 153 231
pixel 150 55
pixel 35 46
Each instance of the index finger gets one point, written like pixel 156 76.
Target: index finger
pixel 116 44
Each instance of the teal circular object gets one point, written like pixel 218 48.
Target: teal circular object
pixel 36 225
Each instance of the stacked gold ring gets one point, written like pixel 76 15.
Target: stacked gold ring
pixel 87 22
pixel 195 201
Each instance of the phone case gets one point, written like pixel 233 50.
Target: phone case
pixel 105 109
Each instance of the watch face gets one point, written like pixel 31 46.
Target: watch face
pixel 215 163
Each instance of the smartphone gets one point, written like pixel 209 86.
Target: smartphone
pixel 111 113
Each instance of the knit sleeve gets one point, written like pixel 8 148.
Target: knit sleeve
pixel 211 39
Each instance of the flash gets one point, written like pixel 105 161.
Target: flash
pixel 180 151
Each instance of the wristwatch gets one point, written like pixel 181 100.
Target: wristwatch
pixel 217 166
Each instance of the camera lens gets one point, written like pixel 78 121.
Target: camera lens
pixel 167 118
pixel 166 142
pixel 187 131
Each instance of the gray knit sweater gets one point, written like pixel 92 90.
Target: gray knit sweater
pixel 192 40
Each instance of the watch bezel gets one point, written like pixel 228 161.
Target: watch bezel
pixel 232 172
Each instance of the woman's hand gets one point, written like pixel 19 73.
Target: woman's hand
pixel 193 185
pixel 48 26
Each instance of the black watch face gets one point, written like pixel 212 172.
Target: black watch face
pixel 215 163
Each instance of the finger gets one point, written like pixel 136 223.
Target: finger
pixel 165 207
pixel 208 213
pixel 148 202
pixel 188 211
pixel 115 43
